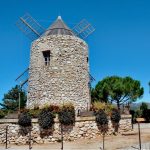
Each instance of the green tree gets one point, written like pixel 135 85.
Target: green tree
pixel 144 111
pixel 117 89
pixel 11 99
pixel 99 94
pixel 143 106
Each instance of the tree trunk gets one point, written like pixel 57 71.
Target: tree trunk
pixel 111 101
pixel 118 105
pixel 103 141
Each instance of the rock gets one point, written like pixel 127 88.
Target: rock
pixel 53 140
pixel 38 138
pixel 129 133
pixel 81 132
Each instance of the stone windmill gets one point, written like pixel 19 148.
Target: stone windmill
pixel 59 64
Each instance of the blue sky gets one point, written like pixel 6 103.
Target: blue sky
pixel 119 46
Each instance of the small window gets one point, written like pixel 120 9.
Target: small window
pixel 87 59
pixel 46 55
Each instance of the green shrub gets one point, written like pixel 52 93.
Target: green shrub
pixel 54 108
pixel 115 118
pixel 24 119
pixel 102 121
pixel 138 113
pixel 24 110
pixel 143 106
pixel 145 111
pixel 34 113
pixel 2 114
pixel 106 107
pixel 46 118
pixel 146 115
pixel 101 118
pixel 67 114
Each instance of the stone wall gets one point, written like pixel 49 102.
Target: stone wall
pixel 84 128
pixel 65 79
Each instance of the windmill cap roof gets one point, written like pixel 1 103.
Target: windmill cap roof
pixel 59 28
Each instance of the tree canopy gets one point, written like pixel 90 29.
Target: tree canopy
pixel 11 99
pixel 143 106
pixel 117 89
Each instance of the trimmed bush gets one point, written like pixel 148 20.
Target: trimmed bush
pixel 66 114
pixel 24 119
pixel 102 121
pixel 46 118
pixel 115 118
pixel 101 118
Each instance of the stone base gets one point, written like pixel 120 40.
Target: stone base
pixel 84 128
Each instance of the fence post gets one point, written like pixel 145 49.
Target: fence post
pixel 6 146
pixel 132 120
pixel 103 141
pixel 139 120
pixel 62 138
pixel 30 147
pixel 139 135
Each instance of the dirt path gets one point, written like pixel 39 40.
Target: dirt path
pixel 111 143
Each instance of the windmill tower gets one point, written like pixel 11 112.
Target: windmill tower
pixel 59 67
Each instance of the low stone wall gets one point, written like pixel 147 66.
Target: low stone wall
pixel 84 128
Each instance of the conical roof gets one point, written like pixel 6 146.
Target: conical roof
pixel 59 28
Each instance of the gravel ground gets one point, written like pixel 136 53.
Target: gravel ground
pixel 145 146
pixel 118 142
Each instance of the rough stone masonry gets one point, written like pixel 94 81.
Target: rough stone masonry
pixel 59 70
pixel 84 128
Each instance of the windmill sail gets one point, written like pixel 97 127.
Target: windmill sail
pixel 30 27
pixel 22 79
pixel 83 29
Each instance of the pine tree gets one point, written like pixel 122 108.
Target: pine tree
pixel 11 99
